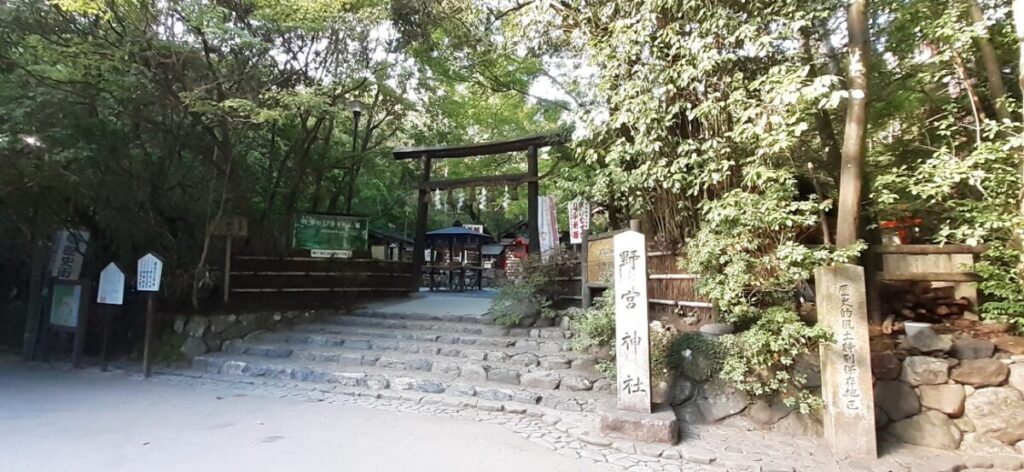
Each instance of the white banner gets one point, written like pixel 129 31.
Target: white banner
pixel 579 220
pixel 548 226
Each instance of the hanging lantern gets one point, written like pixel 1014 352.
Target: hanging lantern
pixel 461 202
pixel 450 200
pixel 515 193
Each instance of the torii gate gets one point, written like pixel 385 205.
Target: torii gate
pixel 530 144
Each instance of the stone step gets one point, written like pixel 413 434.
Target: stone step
pixel 479 352
pixel 472 328
pixel 523 369
pixel 584 363
pixel 377 378
pixel 551 332
pixel 540 345
pixel 389 315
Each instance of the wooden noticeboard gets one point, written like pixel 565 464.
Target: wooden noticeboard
pixel 600 254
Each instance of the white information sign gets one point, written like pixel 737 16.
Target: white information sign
pixel 579 220
pixel 548 226
pixel 475 228
pixel 150 269
pixel 329 253
pixel 111 289
pixel 632 335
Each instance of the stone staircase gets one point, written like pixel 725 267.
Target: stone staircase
pixel 453 355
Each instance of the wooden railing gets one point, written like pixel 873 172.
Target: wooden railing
pixel 314 279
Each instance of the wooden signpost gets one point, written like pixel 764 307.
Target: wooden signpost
pixel 230 227
pixel 846 364
pixel 632 334
pixel 68 313
pixel 148 273
pixel 109 294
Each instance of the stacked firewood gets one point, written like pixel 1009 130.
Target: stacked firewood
pixel 919 301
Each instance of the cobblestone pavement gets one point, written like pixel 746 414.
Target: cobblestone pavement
pixel 703 448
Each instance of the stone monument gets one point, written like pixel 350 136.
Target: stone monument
pixel 846 364
pixel 631 415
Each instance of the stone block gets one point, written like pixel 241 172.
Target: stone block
pixel 1011 344
pixel 767 413
pixel 924 370
pixel 972 348
pixel 927 341
pixel 995 412
pixel 717 400
pixel 193 347
pixel 948 399
pixel 682 390
pixel 980 372
pixel 576 383
pixel 1016 378
pixel 197 326
pixel 885 365
pixel 554 362
pixel 659 426
pixel 540 379
pixel 897 399
pixel 930 429
pixel 505 376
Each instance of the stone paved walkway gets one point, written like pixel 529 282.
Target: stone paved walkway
pixel 703 448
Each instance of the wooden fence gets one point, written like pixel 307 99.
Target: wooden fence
pixel 672 295
pixel 303 280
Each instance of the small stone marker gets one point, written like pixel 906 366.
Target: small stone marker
pixel 149 270
pixel 846 364
pixel 111 290
pixel 632 335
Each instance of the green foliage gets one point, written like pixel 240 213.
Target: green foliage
pixel 596 326
pixel 760 360
pixel 748 251
pixel 691 345
pixel 1000 271
pixel 526 293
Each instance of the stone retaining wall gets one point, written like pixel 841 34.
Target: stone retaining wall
pixel 952 392
pixel 207 333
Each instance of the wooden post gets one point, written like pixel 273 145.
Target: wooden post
pixel 147 350
pixel 227 268
pixel 532 203
pixel 85 302
pixel 585 296
pixel 33 320
pixel 420 242
pixel 104 359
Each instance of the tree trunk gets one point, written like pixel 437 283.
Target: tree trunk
pixel 996 89
pixel 852 173
pixel 1018 21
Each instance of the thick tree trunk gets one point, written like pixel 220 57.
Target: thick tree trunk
pixel 996 89
pixel 851 174
pixel 1018 21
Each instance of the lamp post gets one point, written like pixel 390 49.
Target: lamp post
pixel 357 110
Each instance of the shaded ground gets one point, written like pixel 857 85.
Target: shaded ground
pixel 439 303
pixel 57 419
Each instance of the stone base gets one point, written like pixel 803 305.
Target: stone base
pixel 658 426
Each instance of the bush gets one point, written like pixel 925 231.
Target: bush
pixel 527 292
pixel 596 327
pixel 1002 285
pixel 760 360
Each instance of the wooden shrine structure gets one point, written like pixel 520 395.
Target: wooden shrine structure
pixel 531 178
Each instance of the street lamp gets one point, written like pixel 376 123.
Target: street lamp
pixel 357 110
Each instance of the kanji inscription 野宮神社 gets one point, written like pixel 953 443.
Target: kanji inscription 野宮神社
pixel 633 343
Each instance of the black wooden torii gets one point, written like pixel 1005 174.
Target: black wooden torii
pixel 530 144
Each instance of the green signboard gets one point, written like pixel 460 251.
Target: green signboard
pixel 330 232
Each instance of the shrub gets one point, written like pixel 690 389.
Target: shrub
pixel 1002 284
pixel 527 292
pixel 596 327
pixel 760 360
